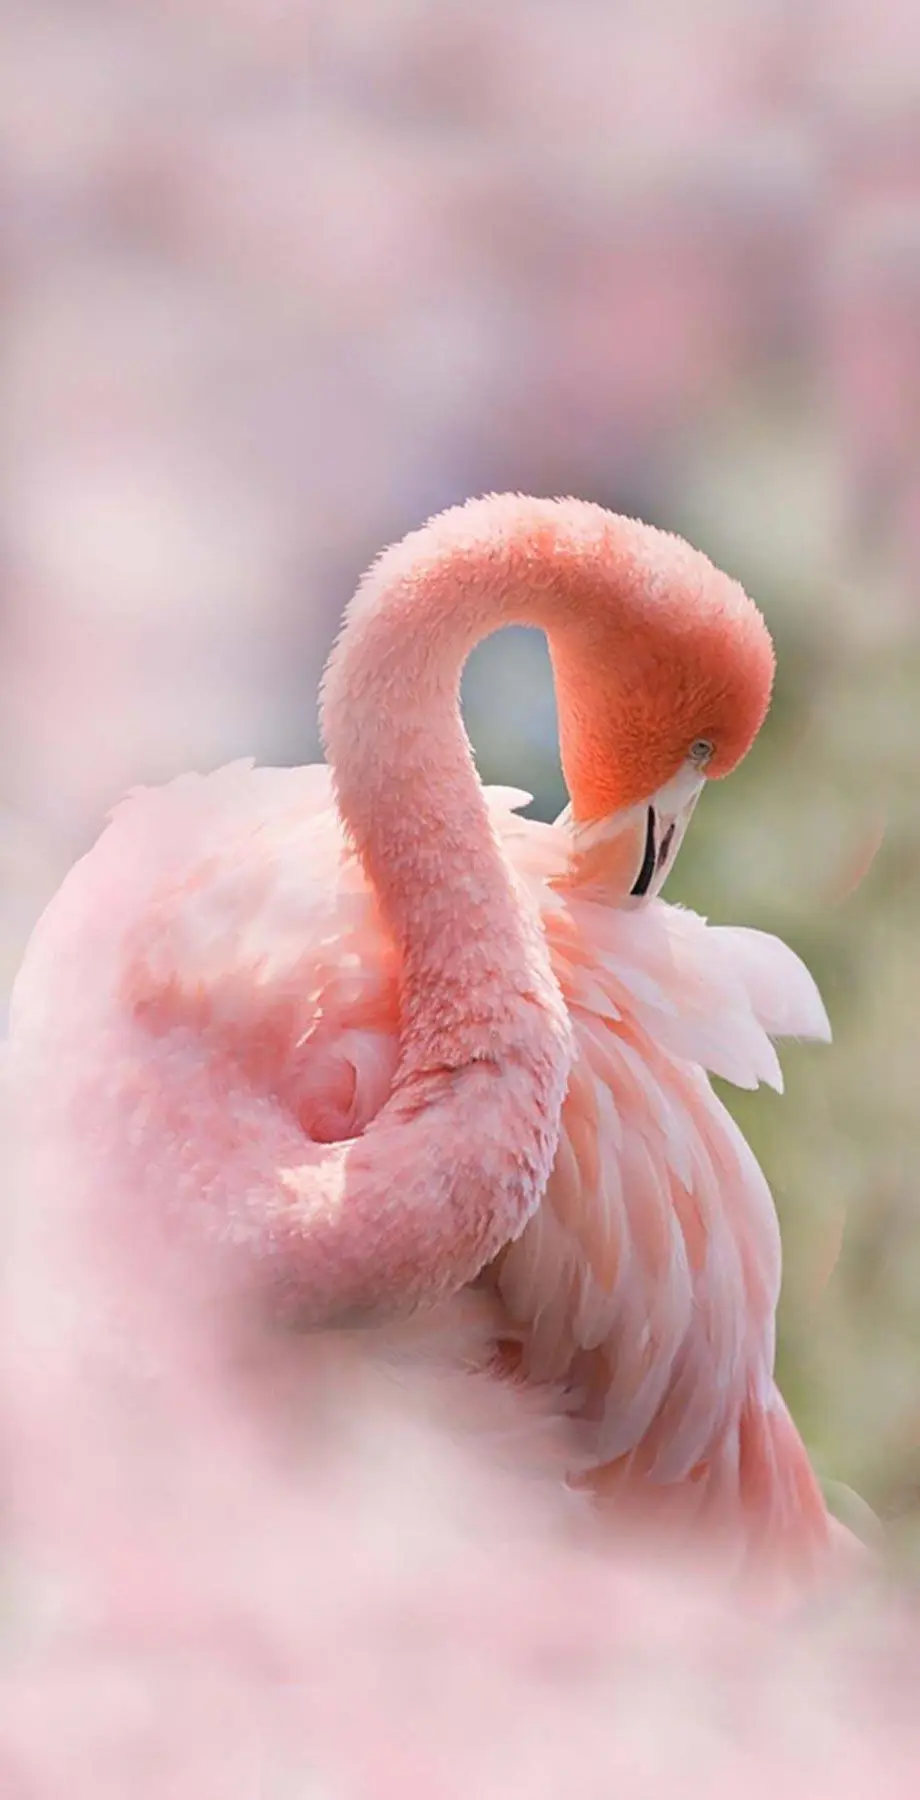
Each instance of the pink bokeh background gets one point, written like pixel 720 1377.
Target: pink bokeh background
pixel 279 278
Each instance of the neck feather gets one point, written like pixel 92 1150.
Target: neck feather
pixel 472 950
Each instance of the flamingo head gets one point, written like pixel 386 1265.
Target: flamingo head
pixel 663 670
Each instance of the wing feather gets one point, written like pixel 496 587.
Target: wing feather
pixel 646 1283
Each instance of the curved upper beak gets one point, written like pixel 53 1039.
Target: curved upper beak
pixel 630 854
pixel 667 816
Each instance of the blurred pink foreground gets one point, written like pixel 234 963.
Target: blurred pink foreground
pixel 292 1578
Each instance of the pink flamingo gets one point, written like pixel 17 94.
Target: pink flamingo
pixel 391 1049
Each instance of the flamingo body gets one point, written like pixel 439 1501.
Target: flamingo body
pixel 240 992
pixel 367 1038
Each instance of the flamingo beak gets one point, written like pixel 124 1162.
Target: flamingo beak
pixel 628 855
pixel 667 815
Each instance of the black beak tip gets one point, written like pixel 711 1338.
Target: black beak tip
pixel 665 845
pixel 649 860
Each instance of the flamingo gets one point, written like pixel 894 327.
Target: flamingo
pixel 384 1051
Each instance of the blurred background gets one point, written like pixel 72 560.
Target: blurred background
pixel 281 277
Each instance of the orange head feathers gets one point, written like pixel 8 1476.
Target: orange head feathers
pixel 655 652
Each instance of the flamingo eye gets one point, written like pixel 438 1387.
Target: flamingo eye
pixel 700 752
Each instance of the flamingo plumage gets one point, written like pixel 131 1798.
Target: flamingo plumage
pixel 381 1048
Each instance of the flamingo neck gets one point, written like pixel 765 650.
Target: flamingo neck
pixel 457 1160
pixel 473 959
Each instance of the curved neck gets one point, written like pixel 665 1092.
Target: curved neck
pixel 457 1160
pixel 411 801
